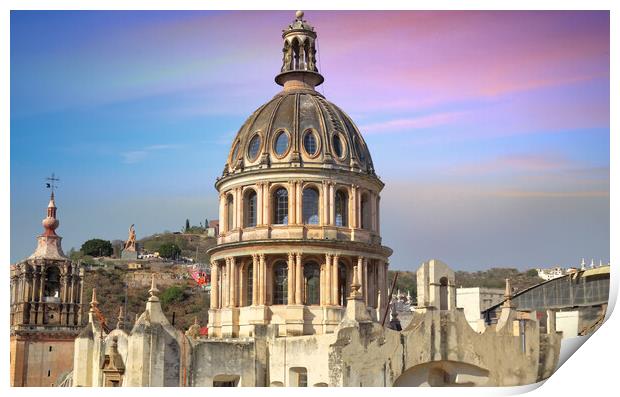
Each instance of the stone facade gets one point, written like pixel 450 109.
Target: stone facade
pixel 437 348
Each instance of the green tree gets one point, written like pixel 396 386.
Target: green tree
pixel 187 226
pixel 532 273
pixel 172 294
pixel 97 247
pixel 169 250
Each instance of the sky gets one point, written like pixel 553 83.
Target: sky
pixel 489 129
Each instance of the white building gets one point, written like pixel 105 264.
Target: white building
pixel 474 300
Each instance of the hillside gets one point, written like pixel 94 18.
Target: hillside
pixel 191 245
pixel 177 295
pixel 491 278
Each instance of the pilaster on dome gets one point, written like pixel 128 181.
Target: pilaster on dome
pixel 299 69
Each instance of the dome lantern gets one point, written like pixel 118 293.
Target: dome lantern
pixel 299 69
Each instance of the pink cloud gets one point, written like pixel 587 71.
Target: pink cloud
pixel 413 123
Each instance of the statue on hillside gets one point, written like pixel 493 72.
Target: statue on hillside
pixel 130 244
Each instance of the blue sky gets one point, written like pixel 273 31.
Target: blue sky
pixel 490 129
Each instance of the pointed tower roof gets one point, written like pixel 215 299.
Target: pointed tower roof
pixel 49 243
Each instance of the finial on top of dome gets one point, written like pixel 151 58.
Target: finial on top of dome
pixel 153 291
pixel 299 69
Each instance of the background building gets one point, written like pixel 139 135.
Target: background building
pixel 46 310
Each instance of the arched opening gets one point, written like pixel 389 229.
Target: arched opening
pixel 52 283
pixel 250 209
pixel 280 283
pixel 365 211
pixel 230 211
pixel 280 207
pixel 443 293
pixel 342 284
pixel 295 45
pixel 342 199
pixel 298 377
pixel 276 384
pixel 310 206
pixel 443 373
pixel 312 283
pixel 226 381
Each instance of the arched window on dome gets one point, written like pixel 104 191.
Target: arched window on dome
pixel 310 206
pixel 365 211
pixel 230 211
pixel 250 208
pixel 312 283
pixel 342 209
pixel 280 207
pixel 280 283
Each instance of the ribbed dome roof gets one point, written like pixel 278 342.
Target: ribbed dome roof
pixel 299 128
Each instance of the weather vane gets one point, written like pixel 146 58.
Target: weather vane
pixel 51 184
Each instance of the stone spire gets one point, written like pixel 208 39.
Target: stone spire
pixel 120 320
pixel 153 290
pixel 592 264
pixel 299 69
pixel 48 243
pixel 508 295
pixel 583 263
pixel 93 301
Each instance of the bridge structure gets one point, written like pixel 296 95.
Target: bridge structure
pixel 578 298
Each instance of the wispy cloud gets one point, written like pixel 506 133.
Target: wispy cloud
pixel 544 194
pixel 136 156
pixel 413 123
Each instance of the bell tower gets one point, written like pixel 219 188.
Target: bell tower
pixel 46 310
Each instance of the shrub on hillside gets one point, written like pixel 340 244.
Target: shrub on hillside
pixel 172 294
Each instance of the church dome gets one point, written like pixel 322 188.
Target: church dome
pixel 299 127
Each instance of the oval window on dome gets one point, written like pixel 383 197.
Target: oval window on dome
pixel 310 143
pixel 235 152
pixel 254 147
pixel 281 145
pixel 337 145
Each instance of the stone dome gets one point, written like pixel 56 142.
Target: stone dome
pixel 299 128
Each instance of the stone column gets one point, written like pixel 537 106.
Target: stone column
pixel 255 278
pixel 234 283
pixel 365 283
pixel 358 208
pixel 266 205
pixel 291 278
pixel 373 211
pixel 259 207
pixel 214 285
pixel 292 201
pixel 223 223
pixel 226 302
pixel 322 285
pixel 353 207
pixel 335 274
pixel 332 207
pixel 298 279
pixel 328 279
pixel 325 205
pixel 263 272
pixel 239 207
pixel 299 200
pixel 360 276
pixel 378 211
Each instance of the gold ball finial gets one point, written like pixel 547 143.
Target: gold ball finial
pixel 299 15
